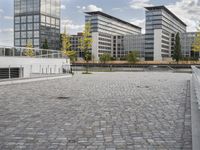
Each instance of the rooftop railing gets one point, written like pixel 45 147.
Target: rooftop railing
pixel 37 53
pixel 196 83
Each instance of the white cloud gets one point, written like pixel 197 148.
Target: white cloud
pixel 6 37
pixel 140 4
pixel 140 23
pixel 89 8
pixel 63 7
pixel 118 9
pixel 8 17
pixel 71 26
pixel 6 30
pixel 188 11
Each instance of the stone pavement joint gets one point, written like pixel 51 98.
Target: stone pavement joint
pixel 102 111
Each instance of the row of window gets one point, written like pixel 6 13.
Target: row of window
pixel 28 34
pixel 28 26
pixel 24 19
pixel 24 42
pixel 35 18
pixel 26 6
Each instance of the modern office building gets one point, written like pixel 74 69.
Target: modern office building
pixel 117 37
pixel 187 40
pixel 75 44
pixel 35 21
pixel 135 43
pixel 106 33
pixel 161 28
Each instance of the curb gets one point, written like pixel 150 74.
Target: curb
pixel 195 113
pixel 10 82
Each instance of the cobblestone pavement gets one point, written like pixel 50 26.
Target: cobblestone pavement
pixel 102 111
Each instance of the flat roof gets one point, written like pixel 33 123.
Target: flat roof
pixel 167 10
pixel 111 17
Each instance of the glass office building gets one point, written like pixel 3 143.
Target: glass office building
pixel 35 21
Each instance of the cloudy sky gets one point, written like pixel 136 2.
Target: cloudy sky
pixel 129 10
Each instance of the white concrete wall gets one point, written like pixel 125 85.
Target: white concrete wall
pixel 157 44
pixel 95 40
pixel 34 65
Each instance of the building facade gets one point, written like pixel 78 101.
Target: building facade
pixel 161 27
pixel 75 44
pixel 107 34
pixel 35 21
pixel 187 40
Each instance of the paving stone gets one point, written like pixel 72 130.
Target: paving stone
pixel 102 111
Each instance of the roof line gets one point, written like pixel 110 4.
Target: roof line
pixel 111 17
pixel 166 9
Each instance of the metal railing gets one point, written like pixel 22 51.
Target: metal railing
pixel 37 53
pixel 196 83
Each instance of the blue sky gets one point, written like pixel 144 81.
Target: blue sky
pixel 129 10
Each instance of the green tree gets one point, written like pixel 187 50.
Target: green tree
pixel 86 44
pixel 29 49
pixel 177 49
pixel 196 43
pixel 132 57
pixel 105 58
pixel 66 47
pixel 45 45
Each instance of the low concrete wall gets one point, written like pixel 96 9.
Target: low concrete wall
pixel 34 65
pixel 195 107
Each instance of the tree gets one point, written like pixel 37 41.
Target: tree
pixel 45 45
pixel 66 45
pixel 196 43
pixel 105 57
pixel 177 49
pixel 132 57
pixel 29 49
pixel 86 43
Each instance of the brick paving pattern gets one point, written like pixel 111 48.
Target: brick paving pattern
pixel 102 111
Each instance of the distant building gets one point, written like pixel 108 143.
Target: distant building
pixel 135 43
pixel 161 28
pixel 75 44
pixel 106 31
pixel 35 21
pixel 187 40
pixel 118 38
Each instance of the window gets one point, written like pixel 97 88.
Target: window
pixel 53 21
pixel 30 18
pixel 48 7
pixel 17 27
pixel 17 42
pixel 36 18
pixel 36 26
pixel 48 20
pixel 23 19
pixel 23 42
pixel 23 26
pixel 36 33
pixel 43 19
pixel 17 34
pixel 57 22
pixel 36 42
pixel 29 34
pixel 30 26
pixel 23 34
pixel 36 5
pixel 17 19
